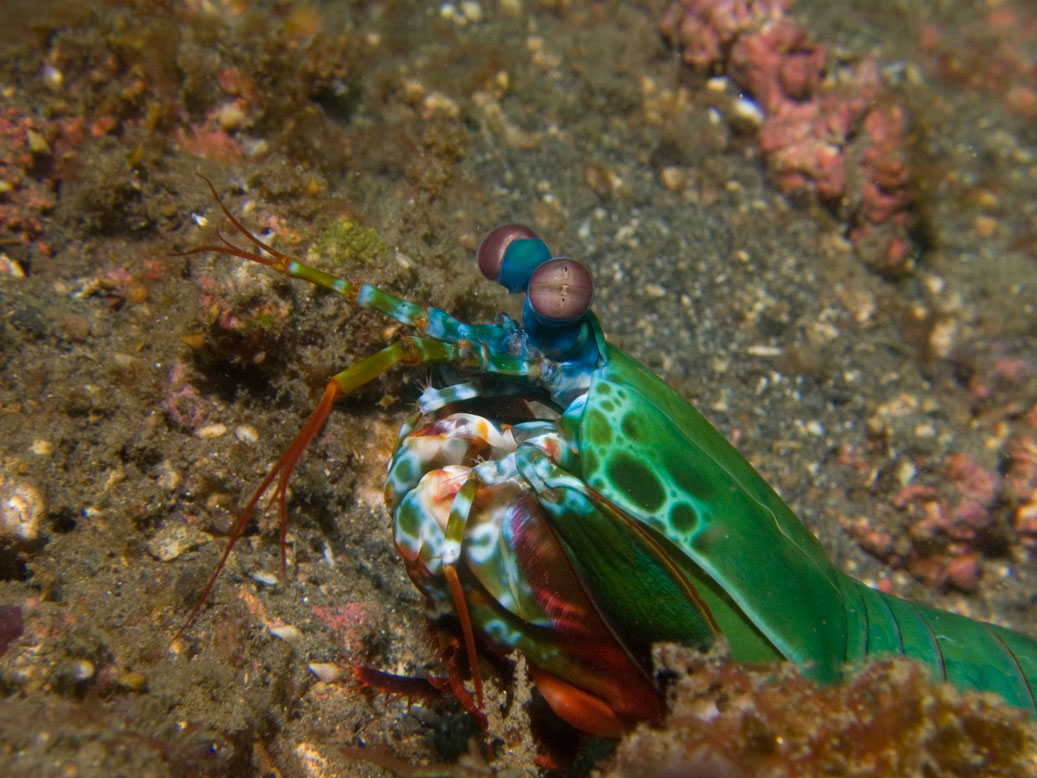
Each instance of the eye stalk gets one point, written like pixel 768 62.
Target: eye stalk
pixel 561 291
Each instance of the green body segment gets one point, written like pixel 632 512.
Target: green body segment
pixel 651 454
pixel 970 654
pixel 648 451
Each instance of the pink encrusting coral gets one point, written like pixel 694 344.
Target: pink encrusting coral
pixel 950 524
pixel 828 128
pixel 707 28
pixel 945 528
pixel 956 510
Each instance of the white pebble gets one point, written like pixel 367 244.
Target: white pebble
pixel 265 578
pixel 82 669
pixel 746 109
pixel 287 632
pixel 21 509
pixel 327 671
pixel 212 431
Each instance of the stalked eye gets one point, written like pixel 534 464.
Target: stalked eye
pixel 561 290
pixel 491 250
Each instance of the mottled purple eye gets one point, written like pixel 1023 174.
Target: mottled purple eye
pixel 492 248
pixel 561 290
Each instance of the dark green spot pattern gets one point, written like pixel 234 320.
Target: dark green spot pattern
pixel 654 457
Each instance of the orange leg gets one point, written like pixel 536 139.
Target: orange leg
pixel 407 350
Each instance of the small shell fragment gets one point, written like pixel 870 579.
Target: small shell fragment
pixel 9 268
pixel 748 111
pixel 265 578
pixel 21 509
pixel 328 672
pixel 286 632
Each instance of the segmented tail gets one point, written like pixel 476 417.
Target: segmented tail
pixel 970 654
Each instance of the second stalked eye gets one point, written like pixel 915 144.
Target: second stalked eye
pixel 561 290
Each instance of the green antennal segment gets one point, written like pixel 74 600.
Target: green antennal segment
pixel 553 496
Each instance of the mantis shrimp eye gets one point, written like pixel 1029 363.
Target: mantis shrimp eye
pixel 561 290
pixel 490 254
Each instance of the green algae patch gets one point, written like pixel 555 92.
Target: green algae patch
pixel 345 242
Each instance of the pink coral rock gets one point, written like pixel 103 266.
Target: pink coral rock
pixel 846 141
